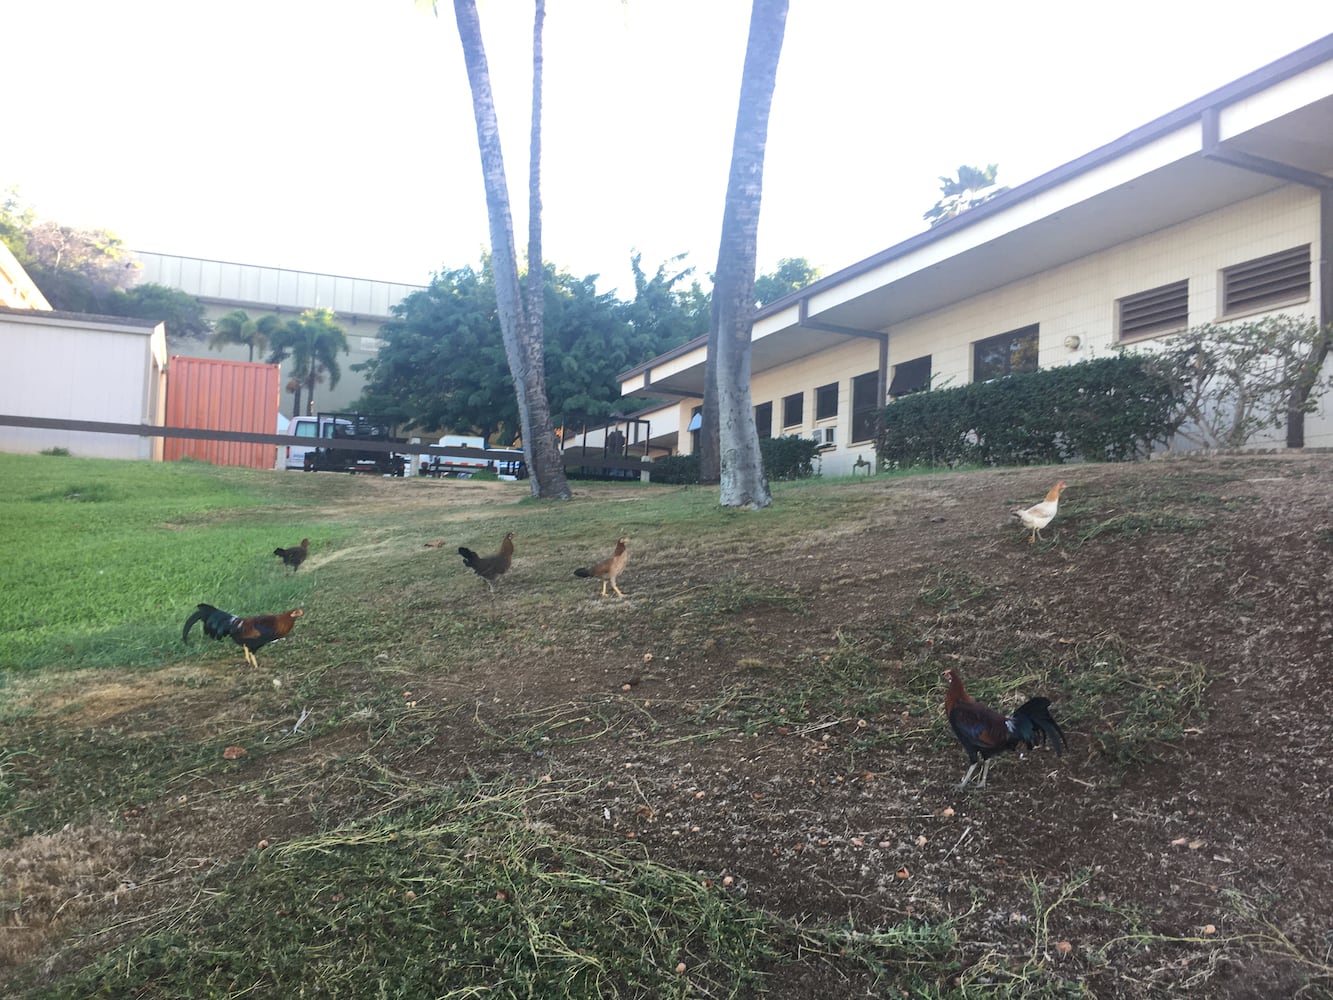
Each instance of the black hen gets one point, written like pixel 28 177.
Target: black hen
pixel 249 633
pixel 984 732
pixel 490 568
pixel 295 555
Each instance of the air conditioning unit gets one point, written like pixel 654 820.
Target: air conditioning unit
pixel 824 436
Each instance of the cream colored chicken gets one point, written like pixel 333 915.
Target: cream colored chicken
pixel 1041 514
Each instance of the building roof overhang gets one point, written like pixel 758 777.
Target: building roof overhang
pixel 1199 158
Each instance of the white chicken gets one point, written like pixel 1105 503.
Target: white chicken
pixel 1041 514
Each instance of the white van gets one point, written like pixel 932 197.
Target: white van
pixel 306 427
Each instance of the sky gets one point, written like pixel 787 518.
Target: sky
pixel 337 135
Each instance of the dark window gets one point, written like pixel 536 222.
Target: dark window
pixel 1155 311
pixel 763 419
pixel 1277 279
pixel 866 406
pixel 793 410
pixel 910 376
pixel 995 357
pixel 696 423
pixel 826 401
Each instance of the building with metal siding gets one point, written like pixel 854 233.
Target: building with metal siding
pixel 361 306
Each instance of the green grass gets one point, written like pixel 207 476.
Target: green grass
pixel 403 875
pixel 96 557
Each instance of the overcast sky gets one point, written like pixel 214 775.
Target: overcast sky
pixel 337 135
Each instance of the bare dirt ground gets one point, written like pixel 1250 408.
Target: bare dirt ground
pixel 790 739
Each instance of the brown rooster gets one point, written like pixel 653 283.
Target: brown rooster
pixel 490 568
pixel 295 555
pixel 249 633
pixel 608 569
pixel 984 732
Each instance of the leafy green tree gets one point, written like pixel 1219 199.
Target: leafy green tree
pixel 792 274
pixel 970 188
pixel 238 328
pixel 442 365
pixel 78 270
pixel 313 341
pixel 182 313
pixel 16 219
pixel 589 341
pixel 669 314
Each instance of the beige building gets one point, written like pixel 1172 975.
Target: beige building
pixel 1221 210
pixel 69 366
pixel 361 306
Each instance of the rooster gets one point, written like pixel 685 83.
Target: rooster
pixel 249 633
pixel 609 568
pixel 984 732
pixel 490 568
pixel 1041 514
pixel 295 555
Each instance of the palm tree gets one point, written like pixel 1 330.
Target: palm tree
pixel 238 328
pixel 313 341
pixel 968 190
pixel 730 443
pixel 520 315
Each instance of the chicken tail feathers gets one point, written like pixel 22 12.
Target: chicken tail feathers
pixel 470 558
pixel 1036 725
pixel 582 572
pixel 201 614
pixel 217 623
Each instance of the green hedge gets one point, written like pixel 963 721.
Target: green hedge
pixel 788 457
pixel 1109 409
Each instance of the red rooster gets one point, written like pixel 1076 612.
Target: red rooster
pixel 984 732
pixel 248 633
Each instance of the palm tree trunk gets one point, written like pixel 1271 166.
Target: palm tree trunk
pixel 522 333
pixel 743 483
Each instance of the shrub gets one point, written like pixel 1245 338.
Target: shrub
pixel 1108 409
pixel 789 457
pixel 675 469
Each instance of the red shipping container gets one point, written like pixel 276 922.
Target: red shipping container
pixel 216 395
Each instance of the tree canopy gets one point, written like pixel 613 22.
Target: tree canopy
pixel 443 366
pixel 970 188
pixel 792 274
pixel 313 341
pixel 90 271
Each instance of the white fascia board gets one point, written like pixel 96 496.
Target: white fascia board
pixel 1131 166
pixel 1272 103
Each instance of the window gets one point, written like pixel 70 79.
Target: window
pixel 793 410
pixel 1277 279
pixel 696 425
pixel 763 420
pixel 866 405
pixel 1154 311
pixel 996 357
pixel 826 401
pixel 910 376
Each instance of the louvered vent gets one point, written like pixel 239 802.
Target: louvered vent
pixel 1156 310
pixel 1272 280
